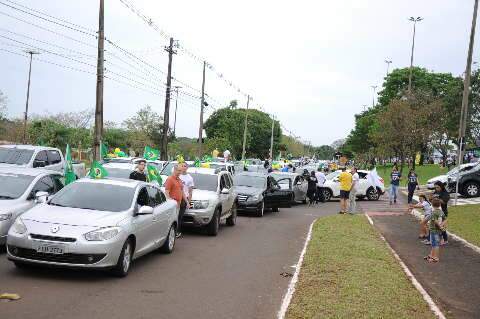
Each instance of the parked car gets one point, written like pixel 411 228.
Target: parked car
pixel 213 200
pixel 37 157
pixel 365 188
pixel 20 190
pixel 468 183
pixel 294 182
pixel 257 191
pixel 444 178
pixel 222 166
pixel 103 223
pixel 119 170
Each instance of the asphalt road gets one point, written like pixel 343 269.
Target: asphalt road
pixel 233 275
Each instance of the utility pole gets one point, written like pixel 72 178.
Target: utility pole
pixel 414 20
pixel 374 87
pixel 245 129
pixel 388 62
pixel 271 138
pixel 98 130
pixel 166 113
pixel 176 107
pixel 364 107
pixel 28 97
pixel 202 105
pixel 466 92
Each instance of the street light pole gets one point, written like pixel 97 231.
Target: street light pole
pixel 25 119
pixel 466 92
pixel 98 128
pixel 176 107
pixel 364 107
pixel 271 138
pixel 414 20
pixel 374 87
pixel 388 62
pixel 245 129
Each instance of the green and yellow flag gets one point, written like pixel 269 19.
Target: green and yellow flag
pixel 69 174
pixel 97 171
pixel 103 150
pixel 151 154
pixel 154 175
pixel 197 162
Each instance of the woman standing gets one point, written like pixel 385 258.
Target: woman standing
pixel 444 196
pixel 412 184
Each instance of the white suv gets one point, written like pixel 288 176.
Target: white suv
pixel 365 188
pixel 213 200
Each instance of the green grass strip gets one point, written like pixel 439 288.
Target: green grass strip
pixel 464 221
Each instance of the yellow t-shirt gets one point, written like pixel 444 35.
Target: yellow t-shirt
pixel 345 179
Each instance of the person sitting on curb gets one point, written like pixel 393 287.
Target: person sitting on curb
pixel 427 213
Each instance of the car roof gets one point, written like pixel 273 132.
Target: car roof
pixel 112 181
pixel 251 174
pixel 27 171
pixel 120 165
pixel 203 170
pixel 29 147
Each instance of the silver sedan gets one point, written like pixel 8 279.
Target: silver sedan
pixel 103 223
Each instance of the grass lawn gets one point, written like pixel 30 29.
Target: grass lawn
pixel 348 272
pixel 424 172
pixel 465 222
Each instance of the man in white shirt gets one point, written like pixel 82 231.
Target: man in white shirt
pixel 353 191
pixel 187 182
pixel 320 181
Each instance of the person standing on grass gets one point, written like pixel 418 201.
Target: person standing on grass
pixel 395 177
pixel 345 180
pixel 412 184
pixel 174 190
pixel 444 196
pixel 435 226
pixel 353 191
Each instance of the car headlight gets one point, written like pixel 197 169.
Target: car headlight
pixel 19 227
pixel 200 204
pixel 102 234
pixel 254 198
pixel 6 216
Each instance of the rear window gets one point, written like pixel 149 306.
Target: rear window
pixel 15 156
pixel 118 172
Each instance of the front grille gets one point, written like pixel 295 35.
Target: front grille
pixel 81 259
pixel 187 219
pixel 53 238
pixel 242 198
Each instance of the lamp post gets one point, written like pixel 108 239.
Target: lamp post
pixel 364 107
pixel 388 62
pixel 414 20
pixel 374 87
pixel 25 115
pixel 176 107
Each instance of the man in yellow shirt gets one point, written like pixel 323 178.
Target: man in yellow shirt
pixel 345 179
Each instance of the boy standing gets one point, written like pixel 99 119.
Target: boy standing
pixel 395 177
pixel 435 225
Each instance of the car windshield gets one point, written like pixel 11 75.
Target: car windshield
pixel 463 168
pixel 95 196
pixel 15 156
pixel 168 169
pixel 278 176
pixel 205 181
pixel 250 181
pixel 12 186
pixel 118 172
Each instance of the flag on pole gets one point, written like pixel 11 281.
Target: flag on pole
pixel 153 175
pixel 197 162
pixel 103 150
pixel 69 174
pixel 97 171
pixel 151 154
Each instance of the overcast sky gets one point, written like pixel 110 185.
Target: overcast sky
pixel 311 63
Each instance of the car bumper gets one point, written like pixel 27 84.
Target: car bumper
pixel 3 240
pixel 197 217
pixel 249 206
pixel 76 255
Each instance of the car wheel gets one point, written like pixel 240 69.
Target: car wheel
pixel 304 201
pixel 261 210
pixel 21 265
pixel 275 209
pixel 373 194
pixel 327 194
pixel 361 197
pixel 471 189
pixel 232 220
pixel 212 227
pixel 124 261
pixel 169 244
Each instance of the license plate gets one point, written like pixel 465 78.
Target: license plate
pixel 51 249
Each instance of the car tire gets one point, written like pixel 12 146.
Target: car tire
pixel 169 244
pixel 21 265
pixel 327 194
pixel 275 209
pixel 124 262
pixel 232 220
pixel 214 225
pixel 261 210
pixel 471 189
pixel 373 194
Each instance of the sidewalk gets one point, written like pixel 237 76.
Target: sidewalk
pixel 454 282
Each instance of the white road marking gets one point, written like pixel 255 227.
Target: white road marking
pixel 412 278
pixel 291 287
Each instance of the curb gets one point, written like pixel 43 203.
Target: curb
pixel 433 306
pixel 466 243
pixel 291 287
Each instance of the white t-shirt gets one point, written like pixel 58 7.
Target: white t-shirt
pixel 320 178
pixel 355 181
pixel 427 208
pixel 187 181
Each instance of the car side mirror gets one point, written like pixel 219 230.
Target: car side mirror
pixel 145 210
pixel 225 191
pixel 41 197
pixel 37 163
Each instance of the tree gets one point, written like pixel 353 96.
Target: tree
pixel 144 128
pixel 324 152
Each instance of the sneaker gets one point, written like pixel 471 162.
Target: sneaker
pixel 394 201
pixel 179 235
pixel 426 242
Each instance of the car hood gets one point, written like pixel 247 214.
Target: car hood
pixel 200 194
pixel 441 178
pixel 244 190
pixel 8 205
pixel 45 213
pixel 12 165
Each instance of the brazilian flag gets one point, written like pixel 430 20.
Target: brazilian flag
pixel 153 175
pixel 103 150
pixel 150 154
pixel 97 171
pixel 197 162
pixel 69 174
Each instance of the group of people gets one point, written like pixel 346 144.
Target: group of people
pixel 179 187
pixel 315 191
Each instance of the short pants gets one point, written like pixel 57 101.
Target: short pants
pixel 434 240
pixel 344 194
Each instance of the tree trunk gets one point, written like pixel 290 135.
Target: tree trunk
pixel 414 157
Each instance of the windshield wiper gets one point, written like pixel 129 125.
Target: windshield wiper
pixel 53 204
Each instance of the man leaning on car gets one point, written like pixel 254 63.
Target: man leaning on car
pixel 174 190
